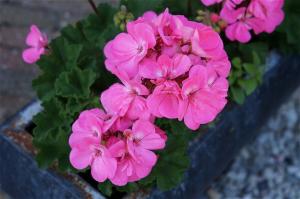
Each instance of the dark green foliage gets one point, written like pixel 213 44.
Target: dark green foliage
pixel 245 77
pixel 69 83
pixel 138 7
pixel 173 160
pixel 290 28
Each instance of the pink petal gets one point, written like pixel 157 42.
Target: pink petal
pixel 120 178
pixel 103 168
pixel 164 100
pixel 80 159
pixel 149 69
pixel 197 79
pixel 142 32
pixel 31 55
pixel 242 33
pixel 138 109
pixel 111 98
pixel 81 140
pixel 145 157
pixel 117 149
pixel 206 43
pixel 34 36
pixel 181 65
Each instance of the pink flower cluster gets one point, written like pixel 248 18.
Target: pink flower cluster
pixel 168 67
pixel 242 16
pixel 37 43
pixel 119 153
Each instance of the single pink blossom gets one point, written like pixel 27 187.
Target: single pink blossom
pixel 129 170
pixel 206 43
pixel 258 15
pixel 135 158
pixel 87 150
pixel 126 100
pixel 143 136
pixel 269 11
pixel 203 97
pixel 128 49
pixel 220 65
pixel 88 126
pixel 165 67
pixel 238 31
pixel 169 27
pixel 164 100
pixel 37 43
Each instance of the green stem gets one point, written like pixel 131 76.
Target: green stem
pixel 94 7
pixel 189 7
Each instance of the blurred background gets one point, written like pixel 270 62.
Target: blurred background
pixel 268 168
pixel 16 16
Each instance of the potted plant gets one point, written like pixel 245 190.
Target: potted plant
pixel 162 84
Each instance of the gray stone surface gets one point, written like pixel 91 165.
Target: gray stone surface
pixel 269 168
pixel 16 16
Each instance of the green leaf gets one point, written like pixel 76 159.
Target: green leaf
pixel 260 48
pixel 75 83
pixel 44 84
pixel 72 34
pixel 106 188
pixel 99 29
pixel 251 69
pixel 169 171
pixel 51 133
pixel 237 95
pixel 48 119
pixel 66 52
pixel 249 85
pixel 236 62
pixel 138 7
pixel 129 187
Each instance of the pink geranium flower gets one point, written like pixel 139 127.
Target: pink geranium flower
pixel 126 100
pixel 169 27
pixel 270 12
pixel 257 15
pixel 164 100
pixel 206 43
pixel 168 67
pixel 87 150
pixel 203 97
pixel 128 49
pixel 37 43
pixel 88 126
pixel 135 156
pixel 165 67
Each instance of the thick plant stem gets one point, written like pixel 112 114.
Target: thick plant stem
pixel 93 5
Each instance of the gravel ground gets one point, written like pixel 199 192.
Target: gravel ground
pixel 269 168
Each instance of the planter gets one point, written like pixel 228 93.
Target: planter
pixel 210 153
pixel 20 176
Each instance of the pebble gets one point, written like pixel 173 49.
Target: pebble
pixel 269 168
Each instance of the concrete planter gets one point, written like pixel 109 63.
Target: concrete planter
pixel 210 154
